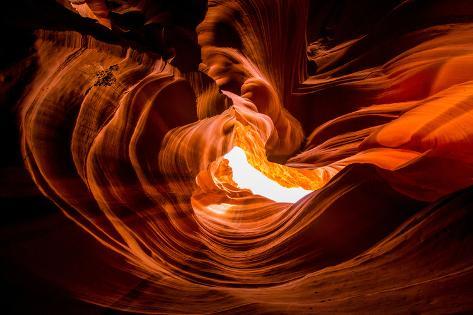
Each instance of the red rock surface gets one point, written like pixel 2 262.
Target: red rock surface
pixel 128 111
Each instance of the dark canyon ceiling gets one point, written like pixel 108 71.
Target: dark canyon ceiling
pixel 236 156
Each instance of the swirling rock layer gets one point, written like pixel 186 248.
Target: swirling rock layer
pixel 129 139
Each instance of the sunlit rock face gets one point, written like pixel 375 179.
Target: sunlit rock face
pixel 296 161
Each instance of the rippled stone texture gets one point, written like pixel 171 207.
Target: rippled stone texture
pixel 128 139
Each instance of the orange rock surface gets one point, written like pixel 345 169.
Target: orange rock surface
pixel 130 144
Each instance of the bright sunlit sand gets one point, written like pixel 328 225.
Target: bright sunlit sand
pixel 247 177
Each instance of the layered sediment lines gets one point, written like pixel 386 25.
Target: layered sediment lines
pixel 131 147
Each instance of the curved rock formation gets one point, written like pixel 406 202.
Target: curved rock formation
pixel 132 140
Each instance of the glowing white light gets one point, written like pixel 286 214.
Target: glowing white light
pixel 247 177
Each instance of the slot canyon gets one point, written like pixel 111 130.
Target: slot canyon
pixel 236 156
